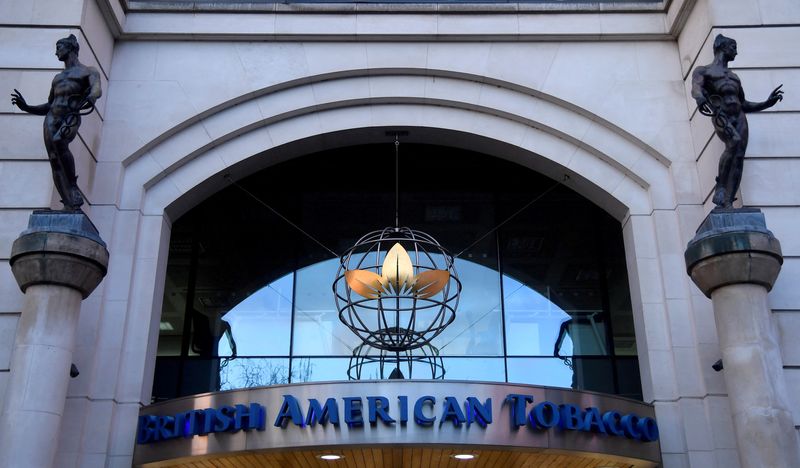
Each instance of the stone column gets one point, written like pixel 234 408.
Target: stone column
pixel 58 261
pixel 735 261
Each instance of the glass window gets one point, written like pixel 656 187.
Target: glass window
pixel 533 322
pixel 478 326
pixel 319 369
pixel 481 369
pixel 248 298
pixel 317 329
pixel 247 333
pixel 252 372
pixel 552 372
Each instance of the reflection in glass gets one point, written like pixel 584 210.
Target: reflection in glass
pixel 320 369
pixel 579 373
pixel 248 334
pixel 478 327
pixel 252 372
pixel 586 330
pixel 482 369
pixel 317 328
pixel 533 322
pixel 552 372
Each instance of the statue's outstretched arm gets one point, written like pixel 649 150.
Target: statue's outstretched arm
pixel 775 96
pixel 19 101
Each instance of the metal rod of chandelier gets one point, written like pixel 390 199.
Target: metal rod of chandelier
pixel 396 181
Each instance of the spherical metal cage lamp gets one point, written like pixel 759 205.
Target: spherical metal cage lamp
pixel 397 289
pixel 421 363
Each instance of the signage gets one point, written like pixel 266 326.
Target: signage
pixel 398 413
pixel 424 411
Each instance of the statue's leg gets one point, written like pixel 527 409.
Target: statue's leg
pixel 725 166
pixel 59 181
pixel 735 179
pixel 63 163
pixel 67 162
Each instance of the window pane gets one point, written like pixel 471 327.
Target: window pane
pixel 317 328
pixel 533 323
pixel 478 326
pixel 200 376
pixel 252 372
pixel 628 378
pixel 552 372
pixel 260 325
pixel 594 374
pixel 486 369
pixel 319 369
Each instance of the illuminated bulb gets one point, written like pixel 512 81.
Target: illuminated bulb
pixel 330 456
pixel 464 456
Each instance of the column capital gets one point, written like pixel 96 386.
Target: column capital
pixel 733 246
pixel 61 248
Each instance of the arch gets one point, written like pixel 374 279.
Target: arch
pixel 604 163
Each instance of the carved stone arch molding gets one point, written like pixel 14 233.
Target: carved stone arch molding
pixel 606 164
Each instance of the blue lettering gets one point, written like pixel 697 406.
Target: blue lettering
pixel 544 415
pixel 146 432
pixel 592 421
pixel 419 416
pixel 193 422
pixel 478 412
pixel 570 418
pixel 252 418
pixel 352 411
pixel 224 418
pixel 322 414
pixel 452 411
pixel 518 408
pixel 611 421
pixel 377 409
pixel 165 428
pixel 648 429
pixel 403 409
pixel 630 424
pixel 209 414
pixel 290 409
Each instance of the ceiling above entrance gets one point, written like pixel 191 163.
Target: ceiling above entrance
pixel 404 457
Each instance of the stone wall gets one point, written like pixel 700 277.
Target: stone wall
pixel 599 95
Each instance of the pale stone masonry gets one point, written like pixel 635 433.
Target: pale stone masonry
pixel 599 92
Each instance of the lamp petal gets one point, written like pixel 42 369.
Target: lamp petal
pixel 398 271
pixel 429 283
pixel 364 282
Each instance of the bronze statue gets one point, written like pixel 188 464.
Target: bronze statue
pixel 719 95
pixel 72 94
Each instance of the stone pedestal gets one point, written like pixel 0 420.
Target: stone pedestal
pixel 735 261
pixel 57 261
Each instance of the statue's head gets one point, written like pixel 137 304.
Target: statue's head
pixel 66 45
pixel 726 46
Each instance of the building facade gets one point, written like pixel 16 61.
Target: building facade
pixel 198 96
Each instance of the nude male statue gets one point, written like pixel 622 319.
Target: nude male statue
pixel 72 94
pixel 719 94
